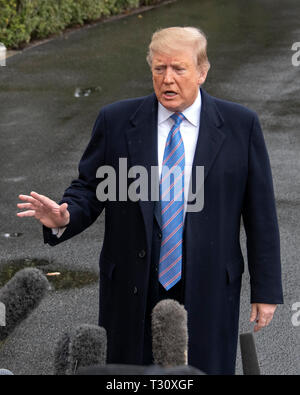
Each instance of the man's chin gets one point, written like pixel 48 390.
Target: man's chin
pixel 171 105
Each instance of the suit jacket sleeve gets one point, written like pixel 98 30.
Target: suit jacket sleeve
pixel 261 225
pixel 83 205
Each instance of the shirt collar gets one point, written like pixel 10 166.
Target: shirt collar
pixel 192 113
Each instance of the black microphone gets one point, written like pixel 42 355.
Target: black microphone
pixel 20 296
pixel 86 345
pixel 169 334
pixel 249 356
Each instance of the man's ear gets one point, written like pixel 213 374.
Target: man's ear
pixel 202 76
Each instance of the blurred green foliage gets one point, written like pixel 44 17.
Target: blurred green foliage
pixel 24 20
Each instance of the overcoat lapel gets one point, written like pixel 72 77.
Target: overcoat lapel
pixel 210 139
pixel 142 148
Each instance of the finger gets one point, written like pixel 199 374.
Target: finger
pixel 253 315
pixel 262 323
pixel 35 204
pixel 266 316
pixel 25 205
pixel 28 213
pixel 269 318
pixel 64 210
pixel 63 207
pixel 27 198
pixel 257 328
pixel 43 199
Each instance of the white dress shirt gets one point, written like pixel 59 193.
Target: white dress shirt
pixel 189 129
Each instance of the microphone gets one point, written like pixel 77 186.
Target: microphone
pixel 20 296
pixel 86 345
pixel 61 355
pixel 170 342
pixel 169 334
pixel 5 372
pixel 249 356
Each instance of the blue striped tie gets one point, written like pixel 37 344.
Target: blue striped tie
pixel 172 206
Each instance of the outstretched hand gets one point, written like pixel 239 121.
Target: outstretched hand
pixel 47 211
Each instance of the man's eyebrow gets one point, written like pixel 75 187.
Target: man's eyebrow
pixel 173 64
pixel 178 64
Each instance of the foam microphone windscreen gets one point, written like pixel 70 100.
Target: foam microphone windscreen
pixel 249 356
pixel 88 346
pixel 169 333
pixel 61 355
pixel 21 295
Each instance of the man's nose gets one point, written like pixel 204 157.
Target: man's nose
pixel 168 77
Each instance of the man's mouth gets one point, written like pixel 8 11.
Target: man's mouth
pixel 170 94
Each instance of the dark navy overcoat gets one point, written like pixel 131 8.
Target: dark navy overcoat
pixel 238 187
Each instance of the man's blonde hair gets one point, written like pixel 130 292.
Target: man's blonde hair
pixel 175 38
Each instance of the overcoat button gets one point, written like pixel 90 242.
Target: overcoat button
pixel 142 254
pixel 135 290
pixel 159 235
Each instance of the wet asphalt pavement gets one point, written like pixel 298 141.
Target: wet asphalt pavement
pixel 50 96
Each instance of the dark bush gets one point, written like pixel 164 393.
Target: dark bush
pixel 23 20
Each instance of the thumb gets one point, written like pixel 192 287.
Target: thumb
pixel 63 208
pixel 253 313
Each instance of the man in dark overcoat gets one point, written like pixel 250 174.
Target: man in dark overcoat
pixel 158 248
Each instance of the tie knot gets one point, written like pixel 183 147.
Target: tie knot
pixel 177 117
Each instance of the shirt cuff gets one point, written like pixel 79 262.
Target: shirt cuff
pixel 58 231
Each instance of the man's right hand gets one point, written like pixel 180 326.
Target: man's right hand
pixel 48 212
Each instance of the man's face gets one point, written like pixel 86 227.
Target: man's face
pixel 176 79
